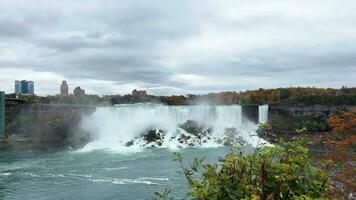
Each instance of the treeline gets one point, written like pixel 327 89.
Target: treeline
pixel 305 96
pixel 284 96
pixel 71 99
pixel 168 100
pixel 279 96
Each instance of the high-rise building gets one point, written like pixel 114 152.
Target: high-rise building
pixel 24 87
pixel 78 91
pixel 30 87
pixel 2 114
pixel 17 87
pixel 64 88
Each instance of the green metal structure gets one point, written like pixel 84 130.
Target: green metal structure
pixel 2 114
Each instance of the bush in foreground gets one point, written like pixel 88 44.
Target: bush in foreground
pixel 278 172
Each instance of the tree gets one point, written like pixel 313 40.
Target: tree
pixel 343 146
pixel 344 123
pixel 277 172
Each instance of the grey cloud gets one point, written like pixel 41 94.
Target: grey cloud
pixel 121 69
pixel 135 42
pixel 13 29
pixel 94 35
pixel 94 41
pixel 68 44
pixel 269 61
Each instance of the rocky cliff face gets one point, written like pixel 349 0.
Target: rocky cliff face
pixel 46 126
pixel 314 118
pixel 303 111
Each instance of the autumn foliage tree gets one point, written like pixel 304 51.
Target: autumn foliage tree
pixel 343 145
pixel 345 123
pixel 284 96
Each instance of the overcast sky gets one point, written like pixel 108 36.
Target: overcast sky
pixel 177 46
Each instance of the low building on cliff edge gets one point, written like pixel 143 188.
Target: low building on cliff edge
pixel 78 91
pixel 139 93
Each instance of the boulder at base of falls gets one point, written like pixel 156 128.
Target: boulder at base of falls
pixel 151 138
pixel 196 129
pixel 130 143
pixel 234 141
pixel 183 138
pixel 154 136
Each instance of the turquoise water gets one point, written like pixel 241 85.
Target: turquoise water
pixel 95 174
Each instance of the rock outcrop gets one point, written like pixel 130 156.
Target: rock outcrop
pixel 37 126
pixel 154 137
pixel 190 134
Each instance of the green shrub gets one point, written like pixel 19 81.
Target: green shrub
pixel 277 172
pixel 314 124
pixel 301 130
pixel 264 129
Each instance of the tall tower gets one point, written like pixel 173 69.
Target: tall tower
pixel 64 89
pixel 2 114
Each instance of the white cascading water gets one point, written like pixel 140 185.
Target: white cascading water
pixel 114 126
pixel 262 113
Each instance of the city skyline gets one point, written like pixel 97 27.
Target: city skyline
pixel 177 47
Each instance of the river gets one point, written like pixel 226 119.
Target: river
pixel 97 174
pixel 109 169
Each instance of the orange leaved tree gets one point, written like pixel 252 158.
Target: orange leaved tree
pixel 344 145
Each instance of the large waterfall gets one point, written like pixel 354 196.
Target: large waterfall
pixel 113 127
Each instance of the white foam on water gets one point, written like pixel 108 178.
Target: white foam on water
pixel 154 178
pixel 125 181
pixel 31 174
pixel 81 175
pixel 112 127
pixel 115 168
pixel 110 146
pixel 5 174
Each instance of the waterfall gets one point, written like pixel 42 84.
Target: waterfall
pixel 262 113
pixel 115 126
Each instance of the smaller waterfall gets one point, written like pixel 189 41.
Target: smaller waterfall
pixel 262 113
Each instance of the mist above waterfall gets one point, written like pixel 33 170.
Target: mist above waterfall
pixel 113 127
